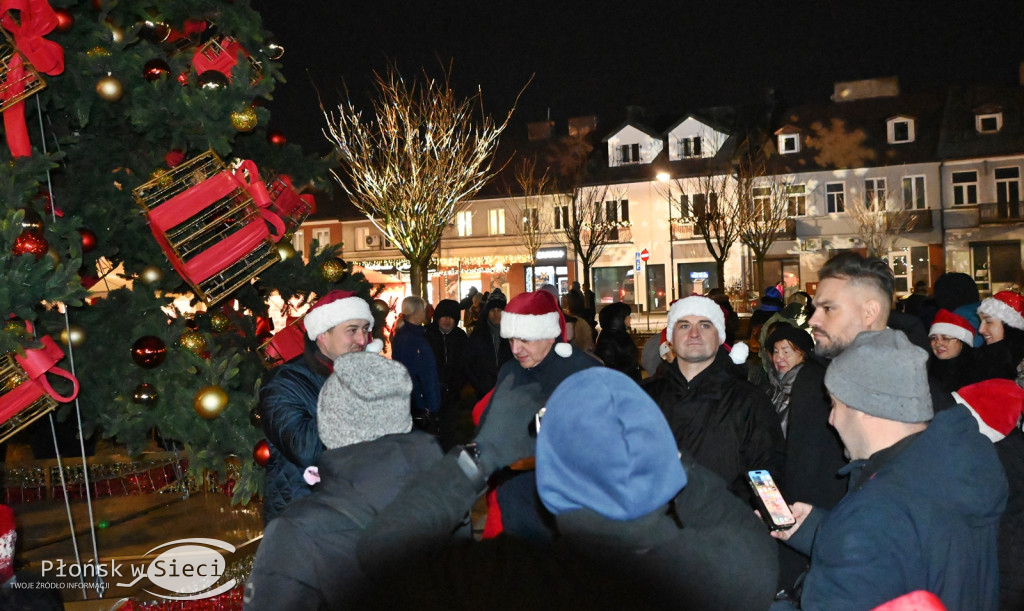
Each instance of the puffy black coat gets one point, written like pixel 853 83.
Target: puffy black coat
pixel 615 346
pixel 410 348
pixel 307 559
pixel 717 556
pixel 288 410
pixel 725 422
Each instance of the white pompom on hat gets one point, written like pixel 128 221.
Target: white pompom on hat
pixel 333 309
pixel 953 325
pixel 1006 306
pixel 533 316
pixel 695 305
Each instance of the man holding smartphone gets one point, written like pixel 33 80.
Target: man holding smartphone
pixel 926 491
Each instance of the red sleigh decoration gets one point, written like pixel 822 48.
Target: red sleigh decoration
pixel 212 223
pixel 25 393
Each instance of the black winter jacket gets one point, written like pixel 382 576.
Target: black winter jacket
pixel 307 559
pixel 481 361
pixel 725 422
pixel 814 452
pixel 288 410
pixel 449 349
pixel 615 346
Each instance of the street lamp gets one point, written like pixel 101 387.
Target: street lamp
pixel 664 177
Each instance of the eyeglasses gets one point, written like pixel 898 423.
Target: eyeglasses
pixel 941 339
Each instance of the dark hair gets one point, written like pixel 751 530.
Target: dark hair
pixel 861 270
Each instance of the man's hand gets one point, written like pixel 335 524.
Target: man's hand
pixel 800 511
pixel 504 434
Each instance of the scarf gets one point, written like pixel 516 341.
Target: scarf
pixel 782 388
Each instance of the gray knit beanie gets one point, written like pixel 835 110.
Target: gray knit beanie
pixel 366 397
pixel 884 375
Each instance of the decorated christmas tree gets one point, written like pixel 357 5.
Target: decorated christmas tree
pixel 138 170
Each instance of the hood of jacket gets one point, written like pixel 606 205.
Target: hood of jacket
pixel 969 479
pixel 376 470
pixel 614 316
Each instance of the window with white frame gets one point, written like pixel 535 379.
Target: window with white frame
pixel 690 147
pixel 323 238
pixel 875 194
pixel 464 223
pixel 835 197
pixel 1007 185
pixel 761 198
pixel 796 200
pixel 900 130
pixel 965 188
pixel 496 218
pixel 988 123
pixel 789 143
pixel 299 241
pixel 561 217
pixel 628 153
pixel 913 193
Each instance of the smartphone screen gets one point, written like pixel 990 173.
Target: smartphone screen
pixel 774 509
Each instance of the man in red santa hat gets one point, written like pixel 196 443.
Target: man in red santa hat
pixel 535 327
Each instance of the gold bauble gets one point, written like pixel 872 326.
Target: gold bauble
pixel 98 52
pixel 244 120
pixel 109 88
pixel 210 401
pixel 74 334
pixel 332 270
pixel 285 250
pixel 54 255
pixel 219 322
pixel 151 274
pixel 193 341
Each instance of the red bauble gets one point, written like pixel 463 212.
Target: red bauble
pixel 261 453
pixel 88 280
pixel 31 242
pixel 154 69
pixel 88 239
pixel 276 138
pixel 149 351
pixel 64 20
pixel 183 79
pixel 174 158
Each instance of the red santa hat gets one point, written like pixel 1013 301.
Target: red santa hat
pixel 1006 306
pixel 953 325
pixel 918 600
pixel 335 308
pixel 8 537
pixel 665 346
pixel 536 315
pixel 996 404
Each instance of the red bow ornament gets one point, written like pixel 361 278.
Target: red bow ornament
pixel 27 21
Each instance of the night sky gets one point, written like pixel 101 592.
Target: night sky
pixel 598 57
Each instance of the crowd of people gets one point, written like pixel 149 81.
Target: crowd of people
pixel 892 430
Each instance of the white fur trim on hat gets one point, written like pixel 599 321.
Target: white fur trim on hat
pixel 954 331
pixel 530 326
pixel 997 308
pixel 695 305
pixel 323 318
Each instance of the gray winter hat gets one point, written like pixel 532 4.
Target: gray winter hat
pixel 884 375
pixel 366 397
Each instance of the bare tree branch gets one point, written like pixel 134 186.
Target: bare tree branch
pixel 530 222
pixel 416 162
pixel 880 218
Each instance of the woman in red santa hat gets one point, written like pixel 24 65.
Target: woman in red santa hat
pixel 951 362
pixel 1002 327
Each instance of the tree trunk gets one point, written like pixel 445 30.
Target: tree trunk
pixel 720 268
pixel 759 273
pixel 420 278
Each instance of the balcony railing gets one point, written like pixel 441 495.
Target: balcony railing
pixel 921 219
pixel 1001 212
